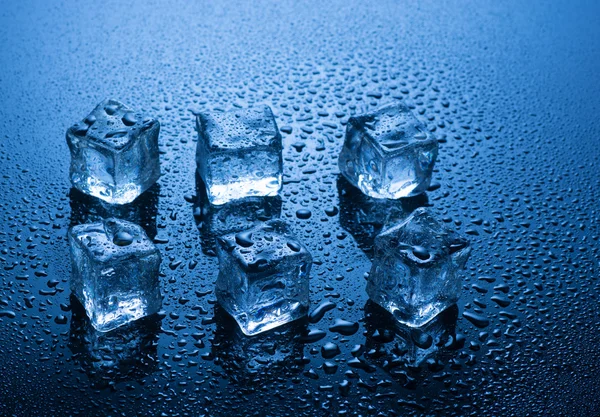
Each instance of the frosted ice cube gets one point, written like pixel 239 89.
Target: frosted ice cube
pixel 415 271
pixel 114 272
pixel 264 276
pixel 388 153
pixel 239 154
pixel 114 153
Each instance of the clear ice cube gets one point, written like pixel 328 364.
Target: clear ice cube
pixel 388 153
pixel 264 277
pixel 415 271
pixel 239 154
pixel 114 272
pixel 114 153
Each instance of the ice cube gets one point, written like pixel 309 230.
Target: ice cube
pixel 232 217
pixel 264 276
pixel 415 271
pixel 388 153
pixel 114 272
pixel 114 153
pixel 239 154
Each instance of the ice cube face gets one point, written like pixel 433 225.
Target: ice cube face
pixel 388 153
pixel 264 277
pixel 114 272
pixel 114 153
pixel 415 271
pixel 239 154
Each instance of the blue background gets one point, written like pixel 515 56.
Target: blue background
pixel 510 87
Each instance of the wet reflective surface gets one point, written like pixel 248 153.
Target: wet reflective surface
pixel 510 91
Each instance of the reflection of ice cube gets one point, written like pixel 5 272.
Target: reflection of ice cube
pixel 388 153
pixel 394 347
pixel 263 279
pixel 239 154
pixel 122 355
pixel 265 357
pixel 364 217
pixel 142 211
pixel 114 153
pixel 114 272
pixel 415 270
pixel 232 217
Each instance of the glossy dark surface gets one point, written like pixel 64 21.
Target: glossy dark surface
pixel 512 91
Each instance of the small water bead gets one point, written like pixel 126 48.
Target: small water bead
pixel 129 119
pixel 420 252
pixel 303 214
pixel 344 327
pixel 111 109
pixel 294 246
pixel 478 320
pixel 244 239
pixel 421 339
pixel 318 313
pixel 330 350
